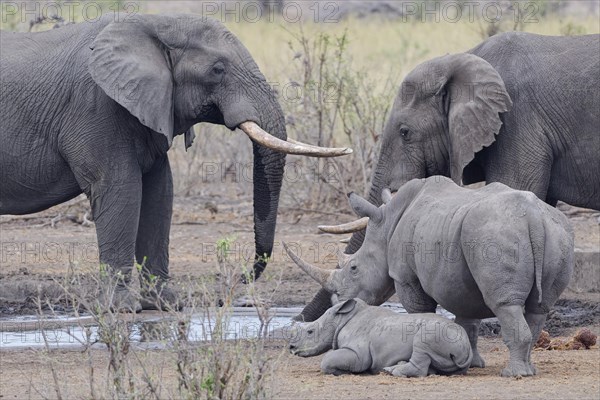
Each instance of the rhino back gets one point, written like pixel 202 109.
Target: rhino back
pixel 454 240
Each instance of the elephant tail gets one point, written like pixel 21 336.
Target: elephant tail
pixel 537 238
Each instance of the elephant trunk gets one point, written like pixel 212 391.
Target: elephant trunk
pixel 378 183
pixel 267 176
pixel 317 307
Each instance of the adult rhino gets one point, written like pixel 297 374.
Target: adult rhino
pixel 479 253
pixel 93 108
pixel 520 109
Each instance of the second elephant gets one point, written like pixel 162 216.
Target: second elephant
pixel 516 109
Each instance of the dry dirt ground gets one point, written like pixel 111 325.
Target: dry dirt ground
pixel 43 247
pixel 561 375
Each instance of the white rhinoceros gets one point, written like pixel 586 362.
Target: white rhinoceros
pixel 479 253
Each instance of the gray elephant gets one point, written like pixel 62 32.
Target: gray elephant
pixel 93 108
pixel 520 109
pixel 479 253
pixel 373 339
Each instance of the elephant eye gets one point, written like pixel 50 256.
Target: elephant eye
pixel 404 132
pixel 310 331
pixel 354 268
pixel 218 69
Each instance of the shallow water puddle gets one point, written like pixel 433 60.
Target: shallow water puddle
pixel 151 329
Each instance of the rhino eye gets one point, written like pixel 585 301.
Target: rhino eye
pixel 353 268
pixel 310 331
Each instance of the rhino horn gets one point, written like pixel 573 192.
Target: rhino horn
pixel 323 276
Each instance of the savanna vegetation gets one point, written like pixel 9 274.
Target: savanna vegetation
pixel 336 78
pixel 336 83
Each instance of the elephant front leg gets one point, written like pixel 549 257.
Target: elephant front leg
pixel 472 328
pixel 115 203
pixel 342 361
pixel 517 337
pixel 152 244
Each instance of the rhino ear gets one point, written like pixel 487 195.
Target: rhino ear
pixel 347 307
pixel 386 195
pixel 363 208
pixel 473 95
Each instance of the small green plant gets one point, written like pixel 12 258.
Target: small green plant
pixel 572 29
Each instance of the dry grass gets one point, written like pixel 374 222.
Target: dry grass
pixel 359 80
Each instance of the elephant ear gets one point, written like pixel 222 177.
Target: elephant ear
pixel 474 95
pixel 131 64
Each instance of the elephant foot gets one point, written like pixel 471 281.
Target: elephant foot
pixel 515 369
pixel 161 298
pixel 477 361
pixel 121 301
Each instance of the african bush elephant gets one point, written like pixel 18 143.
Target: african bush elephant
pixel 493 251
pixel 373 339
pixel 93 108
pixel 520 109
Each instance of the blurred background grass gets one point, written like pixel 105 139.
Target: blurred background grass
pixel 335 81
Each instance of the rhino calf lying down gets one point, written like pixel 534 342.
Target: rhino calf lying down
pixel 369 338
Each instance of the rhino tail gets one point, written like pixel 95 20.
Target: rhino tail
pixel 464 365
pixel 537 238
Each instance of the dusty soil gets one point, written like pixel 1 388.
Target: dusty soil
pixel 39 249
pixel 561 375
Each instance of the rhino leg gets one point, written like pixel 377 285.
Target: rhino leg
pixel 413 297
pixel 517 337
pixel 536 322
pixel 472 328
pixel 419 365
pixel 342 361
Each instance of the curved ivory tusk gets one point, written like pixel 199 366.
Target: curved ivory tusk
pixel 323 276
pixel 346 240
pixel 261 137
pixel 349 227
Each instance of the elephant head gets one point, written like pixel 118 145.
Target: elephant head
pixel 447 110
pixel 364 274
pixel 171 72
